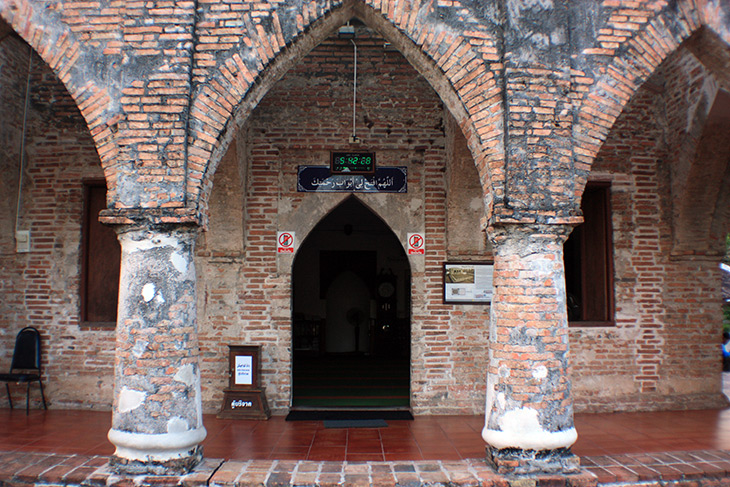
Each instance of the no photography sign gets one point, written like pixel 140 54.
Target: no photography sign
pixel 416 244
pixel 285 242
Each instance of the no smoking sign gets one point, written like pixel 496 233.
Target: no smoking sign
pixel 285 242
pixel 416 244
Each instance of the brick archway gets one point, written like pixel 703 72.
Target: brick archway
pixel 634 52
pixel 701 218
pixel 351 260
pixel 704 32
pixel 458 67
pixel 70 60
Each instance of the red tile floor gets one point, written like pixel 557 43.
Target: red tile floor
pixel 425 438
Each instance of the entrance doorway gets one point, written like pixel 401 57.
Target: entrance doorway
pixel 351 314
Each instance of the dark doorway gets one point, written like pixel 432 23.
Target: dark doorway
pixel 588 260
pixel 351 314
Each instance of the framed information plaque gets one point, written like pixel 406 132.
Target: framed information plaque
pixel 468 282
pixel 244 398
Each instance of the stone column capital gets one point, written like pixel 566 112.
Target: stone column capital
pixel 155 231
pixel 502 231
pixel 150 216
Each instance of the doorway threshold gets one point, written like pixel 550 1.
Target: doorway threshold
pixel 348 414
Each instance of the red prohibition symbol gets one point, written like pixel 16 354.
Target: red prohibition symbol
pixel 285 239
pixel 416 241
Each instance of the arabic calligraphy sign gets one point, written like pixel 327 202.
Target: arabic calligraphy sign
pixel 320 179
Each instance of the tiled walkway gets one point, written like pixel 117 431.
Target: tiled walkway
pixel 425 438
pixel 70 447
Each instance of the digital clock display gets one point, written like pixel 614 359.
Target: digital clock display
pixel 352 163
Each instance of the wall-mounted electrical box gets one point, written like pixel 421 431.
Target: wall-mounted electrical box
pixel 22 241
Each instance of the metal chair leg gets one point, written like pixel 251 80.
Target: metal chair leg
pixel 10 399
pixel 43 396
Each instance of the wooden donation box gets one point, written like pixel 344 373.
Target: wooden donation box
pixel 244 398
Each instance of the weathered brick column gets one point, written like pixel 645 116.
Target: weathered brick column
pixel 529 410
pixel 157 424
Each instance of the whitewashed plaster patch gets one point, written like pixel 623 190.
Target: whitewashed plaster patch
pixel 130 399
pixel 504 371
pixel 186 374
pixel 179 262
pixel 139 348
pixel 177 425
pixel 540 372
pixel 521 428
pixel 148 292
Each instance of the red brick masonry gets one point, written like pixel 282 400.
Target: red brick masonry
pixel 687 469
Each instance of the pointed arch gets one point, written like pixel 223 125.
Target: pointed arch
pixel 351 281
pixel 74 63
pixel 461 66
pixel 316 210
pixel 700 171
pixel 614 74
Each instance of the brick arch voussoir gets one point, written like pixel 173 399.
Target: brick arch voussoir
pixel 621 75
pixel 222 103
pixel 463 66
pixel 455 66
pixel 65 55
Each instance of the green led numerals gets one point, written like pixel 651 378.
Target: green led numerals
pixel 353 162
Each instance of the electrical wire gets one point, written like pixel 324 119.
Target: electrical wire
pixel 22 141
pixel 354 94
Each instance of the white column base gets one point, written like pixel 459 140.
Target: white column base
pixel 520 428
pixel 156 448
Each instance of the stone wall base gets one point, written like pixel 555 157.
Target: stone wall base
pixel 514 461
pixel 178 466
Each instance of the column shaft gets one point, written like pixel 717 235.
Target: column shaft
pixel 529 411
pixel 157 424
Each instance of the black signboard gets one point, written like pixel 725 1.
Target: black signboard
pixel 321 179
pixel 354 162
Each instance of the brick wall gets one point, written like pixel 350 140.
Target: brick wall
pixel 40 288
pixel 667 305
pixel 12 97
pixel 305 115
pixel 663 300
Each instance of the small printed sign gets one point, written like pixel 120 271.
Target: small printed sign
pixel 244 398
pixel 285 243
pixel 244 370
pixel 416 244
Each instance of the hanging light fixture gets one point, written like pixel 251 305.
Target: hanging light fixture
pixel 347 31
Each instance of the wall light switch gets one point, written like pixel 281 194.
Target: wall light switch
pixel 22 241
